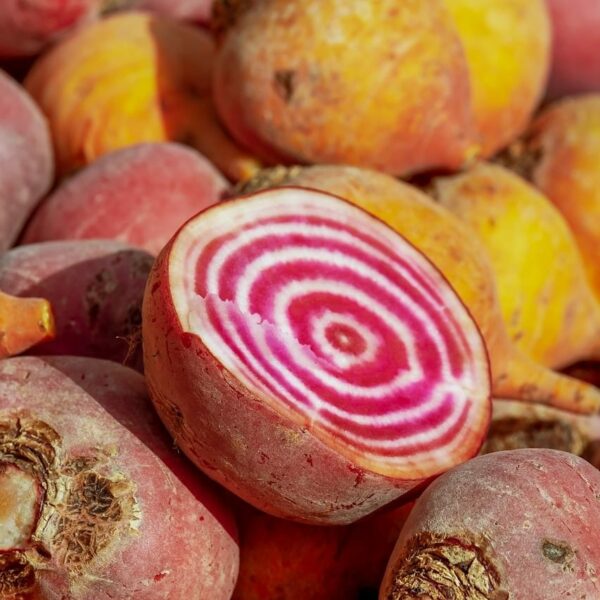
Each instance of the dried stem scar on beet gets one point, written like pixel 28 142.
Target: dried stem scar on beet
pixel 93 502
pixel 518 525
pixel 310 359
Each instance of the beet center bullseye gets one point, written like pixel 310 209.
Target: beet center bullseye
pixel 306 306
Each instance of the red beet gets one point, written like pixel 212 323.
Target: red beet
pixel 26 156
pixel 95 504
pixel 306 356
pixel 95 288
pixel 518 525
pixel 140 195
pixel 27 26
pixel 575 56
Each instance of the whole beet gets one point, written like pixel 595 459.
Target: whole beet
pixel 95 288
pixel 518 525
pixel 95 503
pixel 26 157
pixel 139 195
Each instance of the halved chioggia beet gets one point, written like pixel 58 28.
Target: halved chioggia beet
pixel 309 358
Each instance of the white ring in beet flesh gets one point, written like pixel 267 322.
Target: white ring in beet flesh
pixel 338 323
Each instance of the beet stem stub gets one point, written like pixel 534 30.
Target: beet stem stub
pixel 336 322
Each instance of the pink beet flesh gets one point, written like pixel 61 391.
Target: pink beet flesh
pixel 140 195
pixel 516 525
pixel 323 332
pixel 95 288
pixel 576 39
pixel 123 516
pixel 27 26
pixel 26 156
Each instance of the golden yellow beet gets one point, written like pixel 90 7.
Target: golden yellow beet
pixel 507 45
pixel 547 303
pixel 560 154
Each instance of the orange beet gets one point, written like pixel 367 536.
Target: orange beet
pixel 132 78
pixel 382 85
pixel 23 323
pixel 290 561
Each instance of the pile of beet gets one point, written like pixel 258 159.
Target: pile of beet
pixel 299 300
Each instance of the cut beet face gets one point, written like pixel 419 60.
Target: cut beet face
pixel 309 358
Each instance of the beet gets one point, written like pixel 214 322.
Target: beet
pixel 26 155
pixel 95 288
pixel 95 503
pixel 307 357
pixel 139 195
pixel 519 524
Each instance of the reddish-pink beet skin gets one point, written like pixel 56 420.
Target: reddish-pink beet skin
pixel 198 11
pixel 576 39
pixel 95 288
pixel 159 529
pixel 25 155
pixel 27 26
pixel 525 522
pixel 140 195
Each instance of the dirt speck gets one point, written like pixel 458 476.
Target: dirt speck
pixel 557 552
pixel 284 82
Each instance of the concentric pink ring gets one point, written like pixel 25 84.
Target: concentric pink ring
pixel 336 320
